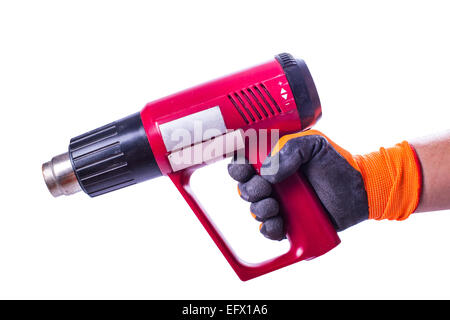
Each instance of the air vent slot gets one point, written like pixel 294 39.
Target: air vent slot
pixel 252 94
pixel 254 103
pixel 270 97
pixel 238 109
pixel 255 110
pixel 244 106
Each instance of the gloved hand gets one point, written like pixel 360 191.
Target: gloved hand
pixel 381 185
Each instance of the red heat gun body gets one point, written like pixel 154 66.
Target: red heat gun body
pixel 275 97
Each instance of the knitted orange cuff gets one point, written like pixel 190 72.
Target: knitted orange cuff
pixel 392 178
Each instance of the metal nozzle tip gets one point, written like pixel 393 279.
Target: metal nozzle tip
pixel 59 176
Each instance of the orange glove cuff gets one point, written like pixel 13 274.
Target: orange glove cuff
pixel 393 179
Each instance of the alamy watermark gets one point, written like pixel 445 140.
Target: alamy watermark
pixel 250 146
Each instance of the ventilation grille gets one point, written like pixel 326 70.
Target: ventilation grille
pixel 254 103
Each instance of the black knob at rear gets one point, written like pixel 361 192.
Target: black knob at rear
pixel 112 157
pixel 303 88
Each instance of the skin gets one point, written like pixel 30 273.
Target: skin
pixel 434 155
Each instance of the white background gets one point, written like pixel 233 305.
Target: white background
pixel 382 70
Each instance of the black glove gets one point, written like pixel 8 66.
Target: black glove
pixel 330 169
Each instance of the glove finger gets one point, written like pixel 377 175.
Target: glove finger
pixel 241 172
pixel 273 228
pixel 255 189
pixel 264 209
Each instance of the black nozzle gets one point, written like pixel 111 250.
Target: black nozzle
pixel 113 156
pixel 303 89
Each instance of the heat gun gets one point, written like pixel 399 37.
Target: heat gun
pixel 278 96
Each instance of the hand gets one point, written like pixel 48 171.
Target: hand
pixel 331 170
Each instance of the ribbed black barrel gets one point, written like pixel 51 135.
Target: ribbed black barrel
pixel 113 156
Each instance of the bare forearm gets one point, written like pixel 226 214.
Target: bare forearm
pixel 434 155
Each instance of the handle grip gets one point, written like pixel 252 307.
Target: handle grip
pixel 308 228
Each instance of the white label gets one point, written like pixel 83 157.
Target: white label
pixel 191 129
pixel 208 151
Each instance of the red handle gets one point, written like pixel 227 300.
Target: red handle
pixel 309 230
